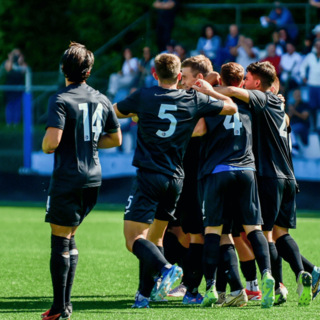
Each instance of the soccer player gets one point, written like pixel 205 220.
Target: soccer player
pixel 80 120
pixel 167 117
pixel 228 167
pixel 276 180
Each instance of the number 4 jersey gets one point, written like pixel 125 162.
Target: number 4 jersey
pixel 167 118
pixel 270 137
pixel 83 114
pixel 228 141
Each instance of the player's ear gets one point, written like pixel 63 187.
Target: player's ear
pixel 200 76
pixel 241 84
pixel 155 76
pixel 258 83
pixel 179 76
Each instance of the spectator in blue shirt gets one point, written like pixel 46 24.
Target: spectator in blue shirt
pixel 282 18
pixel 209 43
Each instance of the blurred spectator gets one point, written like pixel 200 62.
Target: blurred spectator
pixel 170 47
pixel 307 45
pixel 125 78
pixel 316 32
pixel 316 3
pixel 224 54
pixel 15 68
pixel 166 15
pixel 245 52
pixel 280 45
pixel 144 66
pixel 209 43
pixel 181 52
pixel 310 73
pixel 282 18
pixel 273 57
pixel 299 117
pixel 290 68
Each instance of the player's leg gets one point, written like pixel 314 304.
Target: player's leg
pixel 287 247
pixel 252 221
pixel 237 296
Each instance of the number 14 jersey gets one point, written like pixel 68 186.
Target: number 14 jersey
pixel 83 114
pixel 271 144
pixel 167 118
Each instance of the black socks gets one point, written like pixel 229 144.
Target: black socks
pixel 174 251
pixel 59 268
pixel 289 251
pixel 193 268
pixel 249 269
pixel 276 264
pixel 74 254
pixel 260 249
pixel 211 257
pixel 307 265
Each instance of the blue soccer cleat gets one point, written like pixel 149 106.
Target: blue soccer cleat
pixel 191 299
pixel 315 282
pixel 169 278
pixel 141 302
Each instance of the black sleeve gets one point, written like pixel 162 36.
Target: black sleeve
pixel 130 104
pixel 56 113
pixel 208 106
pixel 112 124
pixel 257 100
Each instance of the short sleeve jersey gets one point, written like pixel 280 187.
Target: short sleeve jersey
pixel 228 141
pixel 83 114
pixel 167 118
pixel 271 145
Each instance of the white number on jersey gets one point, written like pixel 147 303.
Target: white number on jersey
pixel 96 121
pixel 236 125
pixel 173 121
pixel 283 126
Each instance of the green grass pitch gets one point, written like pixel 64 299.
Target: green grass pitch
pixel 107 275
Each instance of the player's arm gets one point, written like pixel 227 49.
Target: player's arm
pixel 229 108
pixel 51 139
pixel 110 140
pixel 121 115
pixel 235 92
pixel 200 129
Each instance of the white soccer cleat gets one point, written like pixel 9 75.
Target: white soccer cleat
pixel 177 292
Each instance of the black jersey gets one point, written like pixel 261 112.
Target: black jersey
pixel 167 118
pixel 83 114
pixel 270 136
pixel 228 141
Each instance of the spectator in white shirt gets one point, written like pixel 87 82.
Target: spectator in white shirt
pixel 290 68
pixel 245 52
pixel 126 77
pixel 312 78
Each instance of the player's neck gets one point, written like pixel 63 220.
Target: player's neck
pixel 68 83
pixel 167 85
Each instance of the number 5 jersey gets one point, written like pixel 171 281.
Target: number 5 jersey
pixel 167 118
pixel 83 114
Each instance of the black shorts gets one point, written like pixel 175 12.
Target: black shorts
pixel 233 227
pixel 153 196
pixel 278 202
pixel 231 195
pixel 188 213
pixel 69 206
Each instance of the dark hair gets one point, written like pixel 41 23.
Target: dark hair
pixel 77 62
pixel 203 33
pixel 232 74
pixel 198 64
pixel 265 71
pixel 167 67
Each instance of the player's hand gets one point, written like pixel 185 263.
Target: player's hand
pixel 213 78
pixel 282 98
pixel 203 86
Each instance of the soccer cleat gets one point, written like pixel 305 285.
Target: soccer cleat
pixel 169 278
pixel 282 286
pixel 221 299
pixel 280 295
pixel 210 298
pixel 267 298
pixel 253 295
pixel 315 282
pixel 304 289
pixel 69 308
pixel 64 315
pixel 191 299
pixel 179 291
pixel 155 289
pixel 141 302
pixel 239 300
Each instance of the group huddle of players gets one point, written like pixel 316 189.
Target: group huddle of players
pixel 214 174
